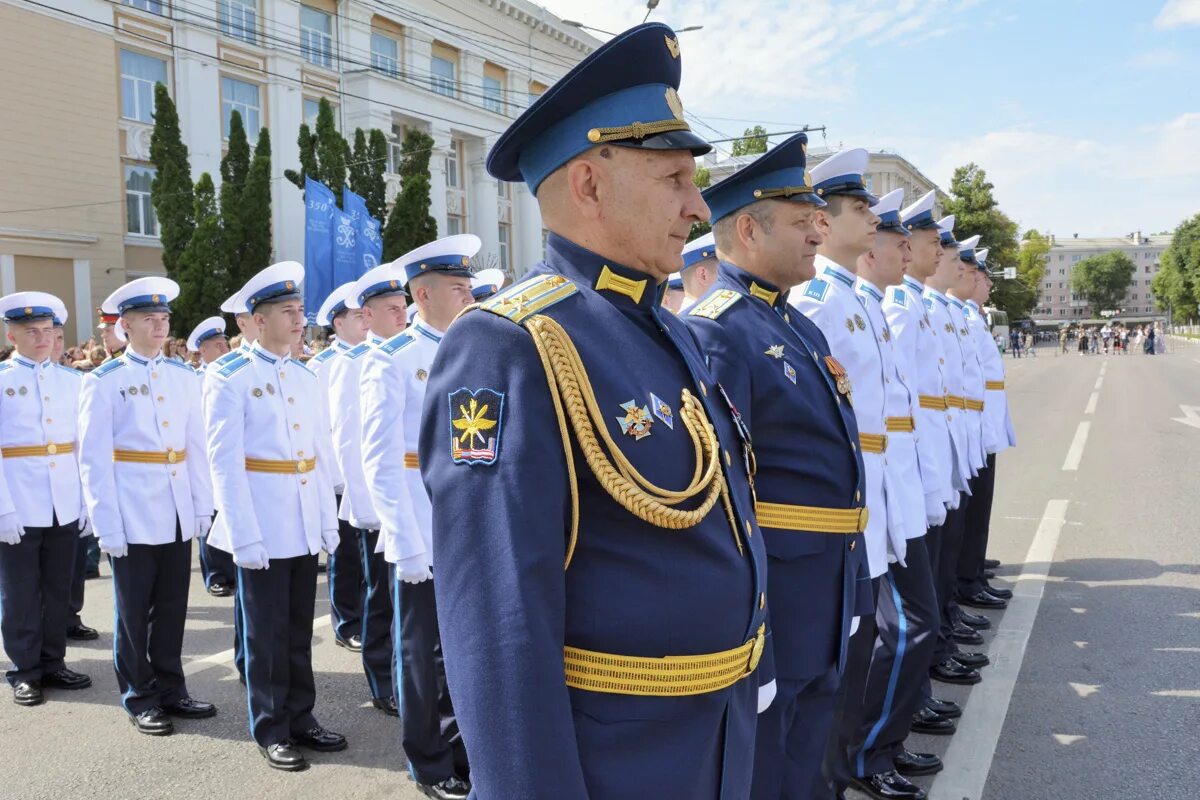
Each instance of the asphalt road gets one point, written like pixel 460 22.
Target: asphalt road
pixel 1094 691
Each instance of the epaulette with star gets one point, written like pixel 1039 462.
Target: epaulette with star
pixel 716 304
pixel 522 300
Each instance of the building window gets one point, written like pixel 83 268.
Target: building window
pixel 505 245
pixel 1147 268
pixel 139 73
pixel 442 66
pixel 139 210
pixel 385 54
pixel 153 6
pixel 395 154
pixel 239 19
pixel 242 97
pixel 454 179
pixel 493 98
pixel 1062 271
pixel 536 90
pixel 316 36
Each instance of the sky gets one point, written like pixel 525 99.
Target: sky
pixel 1085 114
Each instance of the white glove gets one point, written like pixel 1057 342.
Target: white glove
pixel 116 549
pixel 203 523
pixel 11 529
pixel 331 540
pixel 85 525
pixel 766 694
pixel 414 569
pixel 252 556
pixel 853 625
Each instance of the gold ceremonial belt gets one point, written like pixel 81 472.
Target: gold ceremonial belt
pixel 811 518
pixel 411 461
pixel 974 405
pixel 899 424
pixel 672 676
pixel 149 456
pixel 995 386
pixel 873 442
pixel 25 451
pixel 955 401
pixel 281 467
pixel 934 402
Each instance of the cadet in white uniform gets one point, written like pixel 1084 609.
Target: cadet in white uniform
pixel 486 283
pixel 394 377
pixel 699 270
pixel 380 295
pixel 216 567
pixel 148 492
pixel 344 575
pixel 41 504
pixel 268 441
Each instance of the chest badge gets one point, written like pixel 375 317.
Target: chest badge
pixel 862 325
pixel 133 390
pixel 789 371
pixel 887 334
pixel 270 388
pixel 10 391
pixel 145 390
pixel 636 422
pixel 660 409
pixel 949 328
pixel 849 324
pixel 422 375
pixel 840 378
pixel 774 351
pixel 962 331
pixel 257 392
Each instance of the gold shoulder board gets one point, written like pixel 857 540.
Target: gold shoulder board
pixel 524 299
pixel 715 304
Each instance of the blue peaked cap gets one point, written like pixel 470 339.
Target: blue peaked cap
pixel 779 174
pixel 624 93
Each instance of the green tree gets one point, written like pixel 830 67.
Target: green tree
pixel 410 224
pixel 255 253
pixel 358 164
pixel 976 213
pixel 1023 293
pixel 322 153
pixel 1177 284
pixel 202 274
pixel 171 188
pixel 375 190
pixel 1103 280
pixel 702 179
pixel 235 168
pixel 752 143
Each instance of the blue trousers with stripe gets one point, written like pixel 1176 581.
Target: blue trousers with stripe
pixel 344 574
pixel 851 693
pixel 791 739
pixel 907 617
pixel 377 650
pixel 277 625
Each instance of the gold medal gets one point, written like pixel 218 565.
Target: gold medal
pixel 422 375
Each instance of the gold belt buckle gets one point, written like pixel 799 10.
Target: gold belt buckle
pixel 864 515
pixel 302 466
pixel 171 456
pixel 760 641
pixel 51 449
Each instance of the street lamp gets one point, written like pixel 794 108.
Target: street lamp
pixel 577 24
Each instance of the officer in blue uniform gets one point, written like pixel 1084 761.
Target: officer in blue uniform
pixel 600 578
pixel 795 400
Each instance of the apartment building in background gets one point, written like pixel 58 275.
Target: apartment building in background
pixel 76 216
pixel 1058 303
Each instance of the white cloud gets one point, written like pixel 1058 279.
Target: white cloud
pixel 1177 13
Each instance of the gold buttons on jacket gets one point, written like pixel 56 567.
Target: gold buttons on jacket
pixel 296 426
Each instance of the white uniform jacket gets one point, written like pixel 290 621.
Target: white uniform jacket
pixel 39 407
pixel 320 365
pixel 919 354
pixel 394 377
pixel 972 384
pixel 901 466
pixel 938 306
pixel 998 431
pixel 141 450
pixel 829 300
pixel 266 425
pixel 345 412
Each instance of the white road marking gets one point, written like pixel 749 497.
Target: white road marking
pixel 1084 689
pixel 1191 416
pixel 1075 453
pixel 1068 738
pixel 226 656
pixel 969 757
pixel 1177 649
pixel 1091 406
pixel 1178 693
pixel 1099 382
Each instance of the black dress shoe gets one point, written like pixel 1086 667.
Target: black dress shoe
pixel 950 671
pixel 91 574
pixel 351 643
pixel 1003 594
pixel 947 708
pixel 28 693
pixel 320 740
pixel 991 563
pixel 191 709
pixel 982 600
pixel 387 705
pixel 153 722
pixel 977 621
pixel 284 756
pixel 908 763
pixel 220 590
pixel 453 788
pixel 82 633
pixel 964 634
pixel 66 679
pixel 931 723
pixel 888 786
pixel 972 660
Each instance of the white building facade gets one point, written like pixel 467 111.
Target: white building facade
pixel 1058 303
